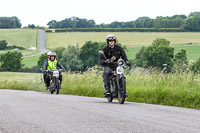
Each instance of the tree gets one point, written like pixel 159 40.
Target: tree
pixel 71 59
pixel 158 55
pixel 59 52
pixel 31 26
pixel 10 22
pixel 192 23
pixel 89 53
pixel 196 66
pixel 3 44
pixel 11 61
pixel 41 60
pixel 160 41
pixel 144 22
pixel 180 60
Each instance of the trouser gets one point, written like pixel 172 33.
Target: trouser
pixel 47 78
pixel 107 72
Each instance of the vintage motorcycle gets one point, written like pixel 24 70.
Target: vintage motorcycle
pixel 117 82
pixel 54 80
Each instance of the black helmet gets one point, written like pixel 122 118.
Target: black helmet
pixel 110 37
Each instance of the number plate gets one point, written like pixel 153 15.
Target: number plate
pixel 56 73
pixel 120 70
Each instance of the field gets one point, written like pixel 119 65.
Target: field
pixel 25 38
pixel 133 40
pixel 30 62
pixel 21 37
pixel 145 86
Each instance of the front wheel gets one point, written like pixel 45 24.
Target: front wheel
pixel 122 91
pixel 57 86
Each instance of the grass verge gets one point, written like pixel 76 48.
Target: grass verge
pixel 144 86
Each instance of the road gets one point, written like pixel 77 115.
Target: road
pixel 35 112
pixel 42 45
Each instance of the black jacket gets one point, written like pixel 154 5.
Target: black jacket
pixel 109 52
pixel 59 65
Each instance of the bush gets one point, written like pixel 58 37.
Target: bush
pixel 11 61
pixel 196 66
pixel 3 44
pixel 71 59
pixel 159 55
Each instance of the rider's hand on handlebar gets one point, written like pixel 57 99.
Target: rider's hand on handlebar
pixel 107 61
pixel 128 63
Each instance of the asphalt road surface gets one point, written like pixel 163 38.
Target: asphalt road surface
pixel 35 112
pixel 42 45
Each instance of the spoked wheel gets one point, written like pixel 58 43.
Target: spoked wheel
pixel 51 91
pixel 51 88
pixel 109 97
pixel 122 91
pixel 57 86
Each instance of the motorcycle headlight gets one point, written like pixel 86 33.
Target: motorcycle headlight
pixel 120 62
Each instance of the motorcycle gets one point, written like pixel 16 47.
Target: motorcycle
pixel 117 82
pixel 54 80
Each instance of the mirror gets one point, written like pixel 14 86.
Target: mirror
pixel 101 52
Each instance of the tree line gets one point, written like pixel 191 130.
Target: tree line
pixel 189 23
pixel 9 22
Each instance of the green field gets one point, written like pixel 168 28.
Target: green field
pixel 21 37
pixel 30 62
pixel 126 38
pixel 133 40
pixel 25 38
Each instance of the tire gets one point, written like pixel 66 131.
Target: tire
pixel 109 98
pixel 57 86
pixel 122 94
pixel 51 88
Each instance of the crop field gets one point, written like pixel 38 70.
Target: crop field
pixel 133 40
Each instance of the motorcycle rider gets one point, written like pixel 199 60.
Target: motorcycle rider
pixel 49 64
pixel 113 52
pixel 48 57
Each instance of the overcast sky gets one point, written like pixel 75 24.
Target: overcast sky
pixel 40 12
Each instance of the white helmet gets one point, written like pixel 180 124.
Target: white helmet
pixel 111 37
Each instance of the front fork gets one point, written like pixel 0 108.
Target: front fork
pixel 118 77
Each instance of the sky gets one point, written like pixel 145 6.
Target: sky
pixel 40 12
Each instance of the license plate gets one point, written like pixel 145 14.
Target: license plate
pixel 120 71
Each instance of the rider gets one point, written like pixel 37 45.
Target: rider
pixel 115 51
pixel 49 64
pixel 48 57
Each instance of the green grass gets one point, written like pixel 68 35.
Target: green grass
pixel 30 62
pixel 126 38
pixel 21 81
pixel 133 40
pixel 21 37
pixel 192 50
pixel 144 86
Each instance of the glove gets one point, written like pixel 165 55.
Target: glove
pixel 107 61
pixel 128 63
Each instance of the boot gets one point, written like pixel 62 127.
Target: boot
pixel 107 89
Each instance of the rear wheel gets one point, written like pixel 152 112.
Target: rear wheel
pixel 122 91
